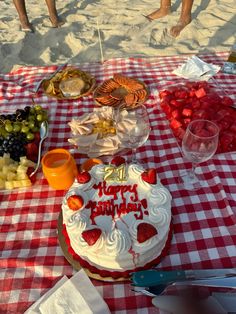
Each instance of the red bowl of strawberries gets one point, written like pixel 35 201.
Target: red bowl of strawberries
pixel 187 101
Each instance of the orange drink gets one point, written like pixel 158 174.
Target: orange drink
pixel 59 168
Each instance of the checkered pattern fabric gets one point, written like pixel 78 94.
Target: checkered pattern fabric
pixel 31 260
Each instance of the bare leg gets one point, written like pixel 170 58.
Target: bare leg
pixel 185 18
pixel 163 11
pixel 54 18
pixel 21 10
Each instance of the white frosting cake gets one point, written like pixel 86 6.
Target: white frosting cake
pixel 131 218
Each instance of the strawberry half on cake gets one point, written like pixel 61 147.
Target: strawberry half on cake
pixel 117 219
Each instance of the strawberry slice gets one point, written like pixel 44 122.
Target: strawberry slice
pixel 91 235
pixel 75 202
pixel 83 177
pixel 150 176
pixel 145 231
pixel 117 161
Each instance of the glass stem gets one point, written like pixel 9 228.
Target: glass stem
pixel 134 150
pixel 192 171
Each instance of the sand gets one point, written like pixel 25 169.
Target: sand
pixel 123 29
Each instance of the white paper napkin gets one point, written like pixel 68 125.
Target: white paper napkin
pixel 71 296
pixel 196 69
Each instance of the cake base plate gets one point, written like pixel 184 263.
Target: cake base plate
pixel 75 264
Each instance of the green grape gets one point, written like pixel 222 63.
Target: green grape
pixel 1 129
pixel 38 108
pixel 31 117
pixel 39 117
pixel 25 129
pixel 30 136
pixel 35 129
pixel 5 133
pixel 8 127
pixel 32 110
pixel 16 127
pixel 7 121
pixel 31 124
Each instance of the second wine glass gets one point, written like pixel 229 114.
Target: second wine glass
pixel 199 144
pixel 139 131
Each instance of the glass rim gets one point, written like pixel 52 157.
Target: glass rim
pixel 203 120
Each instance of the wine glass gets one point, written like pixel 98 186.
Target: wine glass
pixel 199 144
pixel 138 131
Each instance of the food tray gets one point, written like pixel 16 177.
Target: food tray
pixel 185 101
pixel 122 91
pixel 51 87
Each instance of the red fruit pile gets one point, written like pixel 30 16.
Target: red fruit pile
pixel 199 100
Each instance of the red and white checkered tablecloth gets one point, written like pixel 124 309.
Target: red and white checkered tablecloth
pixel 31 260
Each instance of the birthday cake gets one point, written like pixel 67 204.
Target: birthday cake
pixel 117 219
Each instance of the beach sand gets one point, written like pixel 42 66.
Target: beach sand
pixel 124 31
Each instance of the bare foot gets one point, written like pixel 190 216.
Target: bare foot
pixel 176 30
pixel 56 21
pixel 158 13
pixel 26 26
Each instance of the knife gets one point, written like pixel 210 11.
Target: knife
pixel 154 277
pixel 219 282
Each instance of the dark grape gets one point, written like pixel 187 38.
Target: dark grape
pixel 27 109
pixel 13 145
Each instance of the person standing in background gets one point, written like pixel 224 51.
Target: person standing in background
pixel 26 25
pixel 165 9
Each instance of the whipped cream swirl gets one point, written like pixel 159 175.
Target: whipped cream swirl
pixel 118 241
pixel 135 170
pixel 159 215
pixel 97 172
pixel 79 221
pixel 159 196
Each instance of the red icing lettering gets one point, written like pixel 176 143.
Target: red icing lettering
pixel 113 190
pixel 109 208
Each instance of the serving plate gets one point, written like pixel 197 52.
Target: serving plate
pixel 51 87
pixel 121 90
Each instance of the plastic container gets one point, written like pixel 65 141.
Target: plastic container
pixel 59 168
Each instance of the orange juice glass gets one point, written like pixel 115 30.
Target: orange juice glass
pixel 59 168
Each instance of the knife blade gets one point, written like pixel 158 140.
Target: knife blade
pixel 223 282
pixel 154 277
